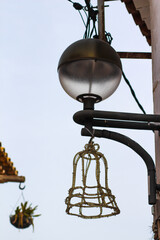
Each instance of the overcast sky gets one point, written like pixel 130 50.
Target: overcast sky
pixel 37 130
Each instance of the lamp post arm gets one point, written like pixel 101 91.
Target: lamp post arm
pixel 139 150
pixel 118 119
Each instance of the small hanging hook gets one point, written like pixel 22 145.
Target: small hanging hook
pixel 21 188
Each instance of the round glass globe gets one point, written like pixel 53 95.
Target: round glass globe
pixel 92 70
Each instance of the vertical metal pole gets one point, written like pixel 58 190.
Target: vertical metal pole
pixel 101 24
pixel 155 26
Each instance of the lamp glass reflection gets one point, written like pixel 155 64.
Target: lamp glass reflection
pixel 89 76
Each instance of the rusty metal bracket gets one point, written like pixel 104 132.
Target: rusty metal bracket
pixel 135 55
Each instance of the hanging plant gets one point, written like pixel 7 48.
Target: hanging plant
pixel 23 216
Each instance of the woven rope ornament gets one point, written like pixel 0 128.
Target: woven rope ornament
pixel 85 199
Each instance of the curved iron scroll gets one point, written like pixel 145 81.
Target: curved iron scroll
pixel 139 150
pixel 89 118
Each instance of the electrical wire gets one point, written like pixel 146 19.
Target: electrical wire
pixel 82 18
pixel 84 12
pixel 133 93
pixel 91 15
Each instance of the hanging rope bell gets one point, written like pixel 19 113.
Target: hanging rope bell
pixel 90 197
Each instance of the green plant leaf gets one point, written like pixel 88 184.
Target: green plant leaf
pixel 27 211
pixel 37 215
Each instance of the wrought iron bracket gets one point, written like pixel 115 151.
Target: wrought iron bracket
pixel 92 118
pixel 118 120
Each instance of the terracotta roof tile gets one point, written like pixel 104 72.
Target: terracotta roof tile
pixel 7 171
pixel 136 13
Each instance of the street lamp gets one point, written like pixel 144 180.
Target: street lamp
pixel 90 71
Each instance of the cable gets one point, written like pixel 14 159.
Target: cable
pixel 92 16
pixel 82 18
pixel 133 93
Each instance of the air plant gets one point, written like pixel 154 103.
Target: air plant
pixel 23 216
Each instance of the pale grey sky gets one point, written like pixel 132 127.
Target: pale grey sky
pixel 37 130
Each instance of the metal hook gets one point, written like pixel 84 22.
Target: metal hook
pixel 21 188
